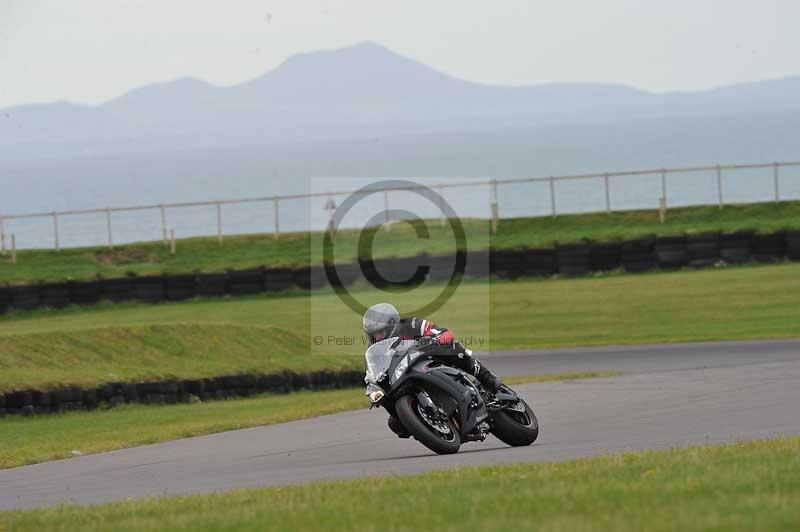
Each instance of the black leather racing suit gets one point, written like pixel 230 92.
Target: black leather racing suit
pixel 451 352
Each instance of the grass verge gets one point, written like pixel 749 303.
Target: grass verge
pixel 292 249
pixel 571 375
pixel 743 486
pixel 50 437
pixel 210 337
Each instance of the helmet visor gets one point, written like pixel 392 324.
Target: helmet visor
pixel 382 334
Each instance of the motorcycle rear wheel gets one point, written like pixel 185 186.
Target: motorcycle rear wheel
pixel 421 429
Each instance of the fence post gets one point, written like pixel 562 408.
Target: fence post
pixel 13 249
pixel 108 226
pixel 775 179
pixel 276 209
pixel 219 223
pixel 608 193
pixel 664 186
pixel 494 206
pixel 330 206
pixel 719 185
pixel 2 237
pixel 553 196
pixel 172 241
pixel 163 223
pixel 55 231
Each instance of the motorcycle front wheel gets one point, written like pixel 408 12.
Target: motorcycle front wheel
pixel 439 436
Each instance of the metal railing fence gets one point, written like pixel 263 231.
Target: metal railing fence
pixel 493 185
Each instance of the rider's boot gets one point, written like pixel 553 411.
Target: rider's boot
pixel 470 364
pixel 489 380
pixel 397 427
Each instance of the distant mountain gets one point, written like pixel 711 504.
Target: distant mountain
pixel 360 92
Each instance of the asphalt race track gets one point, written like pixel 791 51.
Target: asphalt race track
pixel 669 395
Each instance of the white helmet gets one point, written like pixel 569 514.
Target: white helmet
pixel 381 322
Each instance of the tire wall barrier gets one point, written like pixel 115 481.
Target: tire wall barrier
pixel 29 402
pixel 573 259
pixel 568 259
pixel 638 255
pixel 671 252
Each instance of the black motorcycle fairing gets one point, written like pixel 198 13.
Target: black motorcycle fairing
pixel 444 400
pixel 446 379
pixel 505 396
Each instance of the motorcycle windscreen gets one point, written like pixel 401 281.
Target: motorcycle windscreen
pixel 379 356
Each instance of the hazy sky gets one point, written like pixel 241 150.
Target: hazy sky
pixel 89 51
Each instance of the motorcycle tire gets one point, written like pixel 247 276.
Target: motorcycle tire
pixel 513 431
pixel 406 408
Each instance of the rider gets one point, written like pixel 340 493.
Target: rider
pixel 383 321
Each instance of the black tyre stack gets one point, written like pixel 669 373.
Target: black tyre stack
pixel 5 300
pixel 278 279
pixel 703 249
pixel 180 287
pixel 478 265
pixel 442 267
pixel 168 391
pixel 310 277
pixel 573 259
pixel 638 254
pixel 212 284
pixel 506 263
pixel 370 272
pixel 118 290
pixel 42 402
pixel 54 295
pixel 792 246
pixel 539 262
pixel 769 247
pixel 20 402
pixel 345 274
pixel 149 288
pixel 605 256
pixel 84 292
pixel 25 297
pixel 411 271
pixel 385 272
pixel 671 252
pixel 246 282
pixel 734 248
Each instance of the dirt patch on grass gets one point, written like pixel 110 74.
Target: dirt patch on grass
pixel 123 256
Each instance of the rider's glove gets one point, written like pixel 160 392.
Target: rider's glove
pixel 446 338
pixel 376 396
pixel 374 392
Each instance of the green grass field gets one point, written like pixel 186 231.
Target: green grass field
pixel 50 437
pixel 244 251
pixel 265 334
pixel 743 486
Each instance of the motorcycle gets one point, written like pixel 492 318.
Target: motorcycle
pixel 442 406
